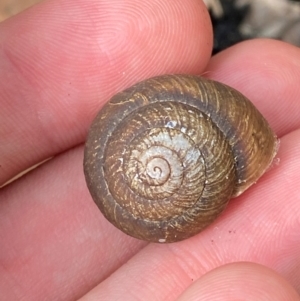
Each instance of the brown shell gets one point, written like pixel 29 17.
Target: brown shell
pixel 164 157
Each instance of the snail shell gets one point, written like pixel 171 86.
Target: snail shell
pixel 164 157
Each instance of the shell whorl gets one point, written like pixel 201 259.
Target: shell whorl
pixel 164 157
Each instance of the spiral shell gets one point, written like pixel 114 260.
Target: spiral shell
pixel 164 157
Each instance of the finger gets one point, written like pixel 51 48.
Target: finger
pixel 260 226
pixel 67 58
pixel 241 281
pixel 268 73
pixel 55 245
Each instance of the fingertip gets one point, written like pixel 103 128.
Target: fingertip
pixel 116 42
pixel 241 281
pixel 262 56
pixel 268 73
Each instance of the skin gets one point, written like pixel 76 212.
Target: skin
pixel 60 61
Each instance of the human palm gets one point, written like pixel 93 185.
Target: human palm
pixel 60 62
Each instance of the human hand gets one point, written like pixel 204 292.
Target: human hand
pixel 60 62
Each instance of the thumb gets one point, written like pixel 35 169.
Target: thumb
pixel 241 281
